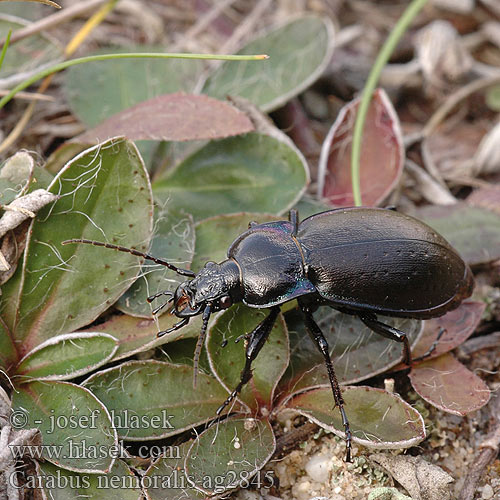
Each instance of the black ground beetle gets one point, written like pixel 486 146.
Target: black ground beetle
pixel 361 261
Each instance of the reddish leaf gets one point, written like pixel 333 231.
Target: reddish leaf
pixel 382 154
pixel 173 117
pixel 459 325
pixel 486 197
pixel 448 385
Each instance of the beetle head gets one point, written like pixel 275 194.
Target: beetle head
pixel 216 285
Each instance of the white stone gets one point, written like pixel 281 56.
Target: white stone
pixel 318 468
pixel 487 492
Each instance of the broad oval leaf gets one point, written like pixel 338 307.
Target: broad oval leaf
pixel 67 356
pixel 76 428
pixel 60 484
pixel 166 478
pixel 298 53
pixel 138 334
pixel 308 206
pixel 378 419
pixel 215 235
pixel 356 351
pixel 64 154
pixel 93 94
pixel 458 326
pixel 253 173
pixel 173 117
pixel 473 231
pixel 104 195
pixel 153 399
pixel 173 241
pixel 228 454
pixel 25 55
pixel 227 358
pixel 382 154
pixel 448 385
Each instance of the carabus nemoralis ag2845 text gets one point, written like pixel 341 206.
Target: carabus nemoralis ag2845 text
pixel 360 261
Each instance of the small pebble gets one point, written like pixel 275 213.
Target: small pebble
pixel 304 486
pixel 318 468
pixel 487 492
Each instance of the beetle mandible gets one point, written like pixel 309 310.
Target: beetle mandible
pixel 360 261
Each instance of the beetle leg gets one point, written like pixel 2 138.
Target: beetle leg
pixel 432 348
pixel 389 332
pixel 293 217
pixel 201 340
pixel 257 339
pixel 315 332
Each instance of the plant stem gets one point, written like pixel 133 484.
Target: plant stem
pixel 5 47
pixel 381 60
pixel 104 57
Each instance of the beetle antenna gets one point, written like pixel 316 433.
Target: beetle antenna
pixel 178 270
pixel 159 294
pixel 199 343
pixel 151 298
pixel 159 308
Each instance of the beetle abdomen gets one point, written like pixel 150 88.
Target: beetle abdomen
pixel 383 261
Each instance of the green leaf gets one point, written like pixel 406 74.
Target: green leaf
pixel 166 478
pixel 19 176
pixel 215 235
pixel 153 400
pixel 67 356
pixel 104 195
pixel 98 90
pixel 63 154
pixel 474 232
pixel 77 431
pixel 138 335
pixel 182 352
pixel 28 54
pixel 227 362
pixel 59 484
pixel 254 173
pixel 493 98
pixel 357 352
pixel 378 419
pixel 173 241
pixel 227 455
pixel 8 353
pixel 308 206
pixel 14 176
pixel 298 53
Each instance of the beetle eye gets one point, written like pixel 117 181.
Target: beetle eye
pixel 225 302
